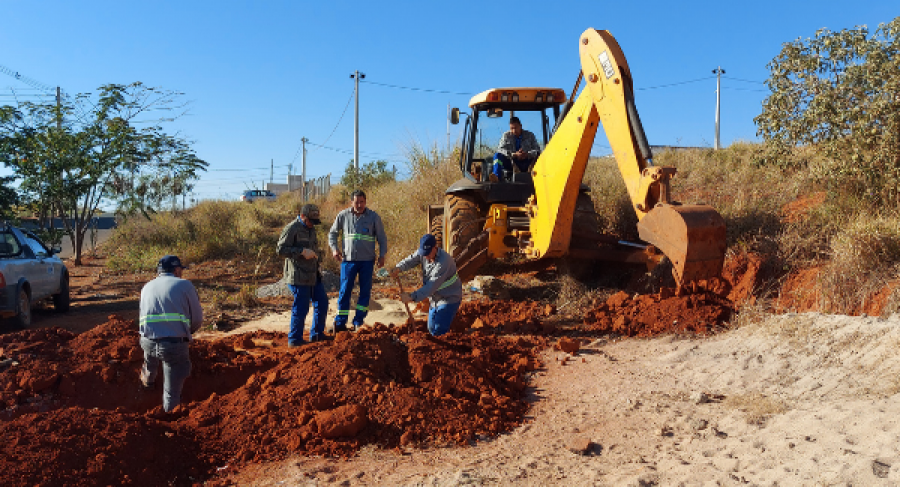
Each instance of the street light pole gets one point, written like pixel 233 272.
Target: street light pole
pixel 718 72
pixel 356 76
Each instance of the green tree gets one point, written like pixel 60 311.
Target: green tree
pixel 370 175
pixel 838 91
pixel 72 158
pixel 8 197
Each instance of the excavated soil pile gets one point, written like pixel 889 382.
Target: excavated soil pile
pixel 648 315
pixel 76 416
pixel 99 369
pixel 508 316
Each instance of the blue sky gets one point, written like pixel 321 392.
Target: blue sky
pixel 262 75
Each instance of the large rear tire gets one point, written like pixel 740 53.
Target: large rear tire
pixel 464 222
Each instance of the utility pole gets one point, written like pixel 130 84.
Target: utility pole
pixel 356 76
pixel 448 127
pixel 272 171
pixel 718 72
pixel 304 140
pixel 290 172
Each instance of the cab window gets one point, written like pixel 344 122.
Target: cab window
pixel 9 246
pixel 36 247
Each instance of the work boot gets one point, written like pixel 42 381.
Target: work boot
pixel 296 344
pixel 322 338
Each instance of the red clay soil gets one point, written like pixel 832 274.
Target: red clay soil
pixel 647 315
pixel 75 415
pixel 800 292
pixel 506 315
pixel 797 210
pixel 742 272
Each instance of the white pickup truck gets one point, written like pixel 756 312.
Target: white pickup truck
pixel 29 272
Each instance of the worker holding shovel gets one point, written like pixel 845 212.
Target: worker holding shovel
pixel 439 282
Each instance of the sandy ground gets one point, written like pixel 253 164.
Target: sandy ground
pixel 796 399
pixel 387 311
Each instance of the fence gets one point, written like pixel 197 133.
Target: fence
pixel 314 188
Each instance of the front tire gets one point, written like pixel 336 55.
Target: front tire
pixel 23 309
pixel 62 300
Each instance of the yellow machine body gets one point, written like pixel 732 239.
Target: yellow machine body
pixel 691 236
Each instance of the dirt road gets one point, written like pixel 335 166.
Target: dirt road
pixel 804 399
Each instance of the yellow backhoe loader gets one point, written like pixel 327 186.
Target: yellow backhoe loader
pixel 537 211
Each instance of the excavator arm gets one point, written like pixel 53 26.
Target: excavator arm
pixel 691 236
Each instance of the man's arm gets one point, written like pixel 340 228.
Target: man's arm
pixel 283 248
pixel 409 262
pixel 507 146
pixel 333 233
pixel 530 145
pixel 195 309
pixel 441 274
pixel 381 236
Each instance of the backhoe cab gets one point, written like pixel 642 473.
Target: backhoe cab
pixel 536 212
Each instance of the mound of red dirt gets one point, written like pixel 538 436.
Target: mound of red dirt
pixel 510 316
pixel 75 414
pixel 648 315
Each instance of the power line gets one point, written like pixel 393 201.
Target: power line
pixel 344 112
pixel 429 90
pixel 744 80
pixel 675 84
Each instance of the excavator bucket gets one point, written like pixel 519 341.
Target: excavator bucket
pixel 691 236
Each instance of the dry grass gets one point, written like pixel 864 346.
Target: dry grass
pixel 865 257
pixel 757 408
pixel 403 205
pixel 861 250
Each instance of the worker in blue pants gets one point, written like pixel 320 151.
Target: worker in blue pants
pixel 361 229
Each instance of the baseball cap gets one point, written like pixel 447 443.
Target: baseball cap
pixel 169 263
pixel 311 211
pixel 426 243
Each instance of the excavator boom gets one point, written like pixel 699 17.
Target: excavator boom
pixel 691 236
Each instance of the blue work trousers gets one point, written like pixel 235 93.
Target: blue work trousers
pixel 349 271
pixel 441 317
pixel 302 296
pixel 175 357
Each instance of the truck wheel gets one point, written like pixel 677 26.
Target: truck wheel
pixel 23 309
pixel 437 229
pixel 464 223
pixel 61 301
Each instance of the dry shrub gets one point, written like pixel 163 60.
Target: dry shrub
pixel 403 205
pixel 865 257
pixel 757 408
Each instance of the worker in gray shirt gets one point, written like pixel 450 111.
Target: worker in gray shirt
pixel 361 229
pixel 439 282
pixel 170 313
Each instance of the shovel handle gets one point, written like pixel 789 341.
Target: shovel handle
pixel 409 321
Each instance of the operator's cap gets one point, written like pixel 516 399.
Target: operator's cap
pixel 311 211
pixel 426 244
pixel 169 263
